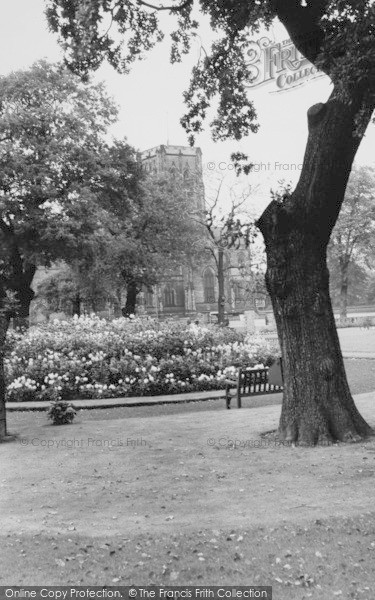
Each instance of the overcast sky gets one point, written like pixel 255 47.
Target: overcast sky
pixel 150 101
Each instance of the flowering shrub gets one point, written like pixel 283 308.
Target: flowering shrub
pixel 61 413
pixel 89 357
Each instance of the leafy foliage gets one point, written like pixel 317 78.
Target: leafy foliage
pixel 349 24
pixel 147 229
pixel 354 231
pixel 52 129
pixel 122 31
pixel 352 241
pixel 61 413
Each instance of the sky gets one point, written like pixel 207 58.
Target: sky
pixel 151 104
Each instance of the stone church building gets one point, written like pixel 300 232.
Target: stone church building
pixel 193 291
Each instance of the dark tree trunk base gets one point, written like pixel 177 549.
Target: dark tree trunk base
pixel 324 429
pixel 280 438
pixel 8 437
pixel 22 323
pixel 3 431
pixel 76 305
pixel 131 299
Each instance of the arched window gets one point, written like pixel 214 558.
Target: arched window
pixel 209 285
pixel 187 173
pixel 169 296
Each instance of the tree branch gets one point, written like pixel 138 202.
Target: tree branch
pixel 171 8
pixel 302 24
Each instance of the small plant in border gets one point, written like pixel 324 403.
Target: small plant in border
pixel 61 412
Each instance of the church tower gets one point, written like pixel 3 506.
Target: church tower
pixel 175 295
pixel 180 161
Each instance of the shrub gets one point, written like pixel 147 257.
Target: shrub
pixel 91 358
pixel 61 413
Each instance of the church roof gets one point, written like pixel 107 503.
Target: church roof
pixel 171 151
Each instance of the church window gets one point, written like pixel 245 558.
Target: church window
pixel 169 296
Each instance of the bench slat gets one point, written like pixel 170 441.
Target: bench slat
pixel 250 382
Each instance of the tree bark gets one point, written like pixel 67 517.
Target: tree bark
pixel 25 295
pixel 22 319
pixel 317 404
pixel 4 323
pixel 221 286
pixel 76 304
pixel 131 298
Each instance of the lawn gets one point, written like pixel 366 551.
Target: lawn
pixel 195 498
pixel 357 339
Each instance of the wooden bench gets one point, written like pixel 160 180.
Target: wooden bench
pixel 254 382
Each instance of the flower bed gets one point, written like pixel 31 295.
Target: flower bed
pixel 92 358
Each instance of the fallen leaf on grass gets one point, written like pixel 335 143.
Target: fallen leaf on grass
pixel 59 562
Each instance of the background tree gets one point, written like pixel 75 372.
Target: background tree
pixel 370 289
pixel 353 237
pixel 252 280
pixel 152 234
pixel 52 129
pixel 51 137
pixel 358 277
pixel 317 404
pixel 80 286
pixel 226 232
pixel 92 276
pixel 146 231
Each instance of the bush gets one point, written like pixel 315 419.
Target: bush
pixel 61 413
pixel 91 358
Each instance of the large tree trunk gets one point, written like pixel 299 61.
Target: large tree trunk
pixel 4 322
pixel 131 298
pixel 221 286
pixel 344 284
pixel 317 404
pixel 25 295
pixel 22 319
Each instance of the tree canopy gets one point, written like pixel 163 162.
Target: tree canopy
pixel 352 241
pixel 157 234
pixel 121 31
pixel 52 137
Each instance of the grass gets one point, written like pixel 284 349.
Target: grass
pixel 356 339
pixel 174 501
pixel 322 559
